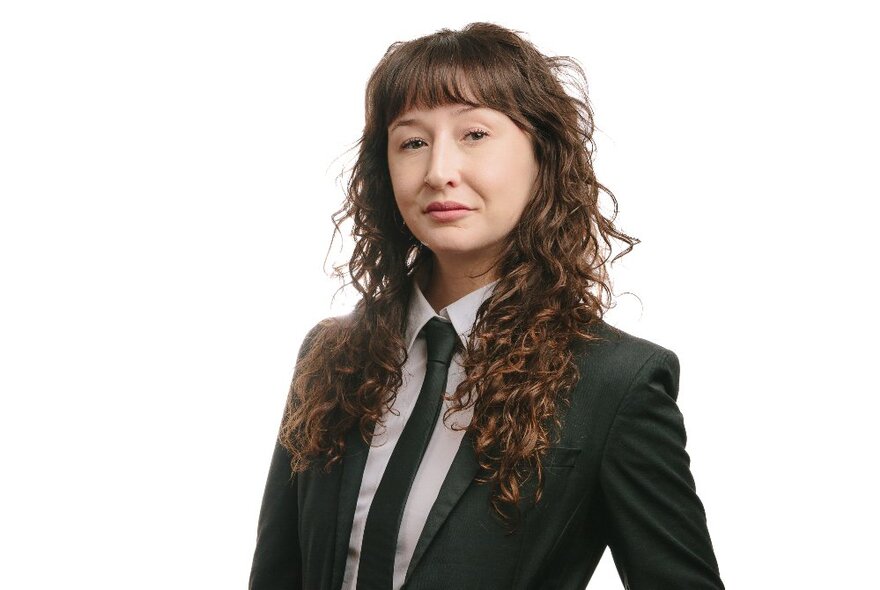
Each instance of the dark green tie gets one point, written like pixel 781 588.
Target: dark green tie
pixel 376 566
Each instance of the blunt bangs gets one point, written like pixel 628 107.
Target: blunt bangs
pixel 446 71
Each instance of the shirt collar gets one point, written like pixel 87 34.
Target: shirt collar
pixel 462 312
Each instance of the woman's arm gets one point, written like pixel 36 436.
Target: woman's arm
pixel 657 525
pixel 277 558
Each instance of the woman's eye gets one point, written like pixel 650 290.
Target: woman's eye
pixel 410 144
pixel 477 132
pixel 415 143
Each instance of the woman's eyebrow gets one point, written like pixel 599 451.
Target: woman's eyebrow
pixel 414 120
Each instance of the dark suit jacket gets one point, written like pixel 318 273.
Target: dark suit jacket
pixel 620 477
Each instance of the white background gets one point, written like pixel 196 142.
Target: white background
pixel 168 170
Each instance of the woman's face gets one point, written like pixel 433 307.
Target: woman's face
pixel 461 178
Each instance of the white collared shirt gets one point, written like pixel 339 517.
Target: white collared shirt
pixel 444 441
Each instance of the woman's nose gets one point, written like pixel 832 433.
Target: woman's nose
pixel 444 164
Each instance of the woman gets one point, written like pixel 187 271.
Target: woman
pixel 482 261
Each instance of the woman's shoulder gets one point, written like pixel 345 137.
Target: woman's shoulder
pixel 331 324
pixel 326 331
pixel 615 366
pixel 615 350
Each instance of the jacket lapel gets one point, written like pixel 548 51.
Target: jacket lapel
pixel 461 473
pixel 349 488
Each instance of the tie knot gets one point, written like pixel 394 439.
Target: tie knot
pixel 441 338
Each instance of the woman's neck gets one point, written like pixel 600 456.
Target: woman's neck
pixel 442 284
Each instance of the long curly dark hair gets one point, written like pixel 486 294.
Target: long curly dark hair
pixel 553 269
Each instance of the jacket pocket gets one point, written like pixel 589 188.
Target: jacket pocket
pixel 558 463
pixel 560 457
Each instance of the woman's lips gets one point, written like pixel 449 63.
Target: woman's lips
pixel 446 210
pixel 448 215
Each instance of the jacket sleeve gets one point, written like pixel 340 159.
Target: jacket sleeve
pixel 277 561
pixel 657 532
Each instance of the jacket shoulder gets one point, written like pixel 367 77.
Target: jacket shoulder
pixel 611 345
pixel 614 362
pixel 325 332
